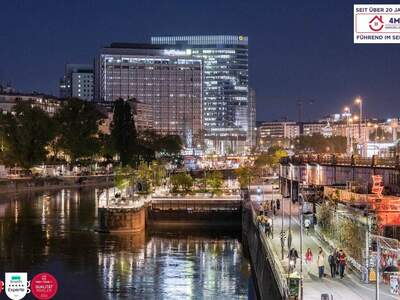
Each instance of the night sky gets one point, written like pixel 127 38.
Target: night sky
pixel 298 49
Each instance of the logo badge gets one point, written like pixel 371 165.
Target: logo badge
pixel 376 23
pixel 44 286
pixel 17 285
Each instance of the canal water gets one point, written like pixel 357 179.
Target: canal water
pixel 54 232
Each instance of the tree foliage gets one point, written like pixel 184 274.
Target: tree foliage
pixel 214 182
pixel 78 130
pixel 123 132
pixel 244 175
pixel 319 144
pixel 181 183
pixel 25 136
pixel 270 159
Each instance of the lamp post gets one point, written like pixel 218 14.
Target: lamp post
pixel 301 198
pixel 290 208
pixel 347 114
pixel 359 102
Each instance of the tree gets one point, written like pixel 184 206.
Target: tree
pixel 78 122
pixel 107 149
pixel 181 183
pixel 324 217
pixel 125 177
pixel 215 181
pixel 25 136
pixel 270 159
pixel 158 173
pixel 123 132
pixel 244 176
pixel 170 145
pixel 319 144
pixel 352 235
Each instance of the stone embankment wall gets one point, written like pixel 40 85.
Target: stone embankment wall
pixel 47 183
pixel 262 268
pixel 122 219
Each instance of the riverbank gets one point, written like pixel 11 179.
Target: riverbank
pixel 16 185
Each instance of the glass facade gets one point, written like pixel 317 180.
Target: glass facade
pixel 226 115
pixel 172 86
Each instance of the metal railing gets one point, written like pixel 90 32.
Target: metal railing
pixel 196 204
pixel 331 159
pixel 272 257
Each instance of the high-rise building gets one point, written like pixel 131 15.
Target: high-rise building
pixel 77 82
pixel 252 131
pixel 168 80
pixel 225 87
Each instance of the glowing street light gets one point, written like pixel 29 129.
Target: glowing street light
pixel 359 102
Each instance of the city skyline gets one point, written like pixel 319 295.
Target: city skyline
pixel 317 61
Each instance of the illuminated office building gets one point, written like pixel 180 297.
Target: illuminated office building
pixel 168 80
pixel 226 115
pixel 77 82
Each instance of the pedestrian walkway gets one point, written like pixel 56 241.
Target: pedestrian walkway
pixel 348 288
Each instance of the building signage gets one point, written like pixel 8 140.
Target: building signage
pixel 376 23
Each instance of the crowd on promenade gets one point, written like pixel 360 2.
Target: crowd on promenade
pixel 336 260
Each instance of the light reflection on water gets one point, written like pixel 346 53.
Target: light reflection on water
pixel 53 232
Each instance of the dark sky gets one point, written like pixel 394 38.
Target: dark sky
pixel 298 49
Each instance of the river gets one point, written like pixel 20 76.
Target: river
pixel 54 232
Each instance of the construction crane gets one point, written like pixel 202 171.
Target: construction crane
pixel 300 106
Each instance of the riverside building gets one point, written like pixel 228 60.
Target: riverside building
pixel 169 81
pixel 227 117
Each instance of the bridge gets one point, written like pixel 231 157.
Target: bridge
pixel 321 170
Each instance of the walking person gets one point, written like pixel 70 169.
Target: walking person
pixel 307 224
pixel 342 263
pixel 308 257
pixel 268 228
pixel 332 264
pixel 293 256
pixel 278 204
pixel 337 261
pixel 320 263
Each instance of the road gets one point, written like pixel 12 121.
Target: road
pixel 348 288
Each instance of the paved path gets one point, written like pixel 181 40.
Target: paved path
pixel 348 288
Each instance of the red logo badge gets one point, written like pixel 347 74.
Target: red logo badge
pixel 376 24
pixel 1 286
pixel 44 286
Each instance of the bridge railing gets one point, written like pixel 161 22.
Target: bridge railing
pixel 332 159
pixel 276 266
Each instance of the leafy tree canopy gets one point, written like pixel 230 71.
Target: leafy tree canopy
pixel 319 144
pixel 78 123
pixel 123 132
pixel 25 135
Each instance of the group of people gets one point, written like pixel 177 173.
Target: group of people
pixel 266 222
pixel 336 260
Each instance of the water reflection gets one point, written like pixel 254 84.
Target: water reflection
pixel 53 232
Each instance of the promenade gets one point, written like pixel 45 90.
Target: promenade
pixel 348 288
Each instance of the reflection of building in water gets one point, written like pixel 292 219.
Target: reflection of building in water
pixel 179 268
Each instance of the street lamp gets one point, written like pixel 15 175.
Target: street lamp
pixel 359 102
pixel 347 114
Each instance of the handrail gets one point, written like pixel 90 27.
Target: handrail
pixel 272 257
pixel 331 159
